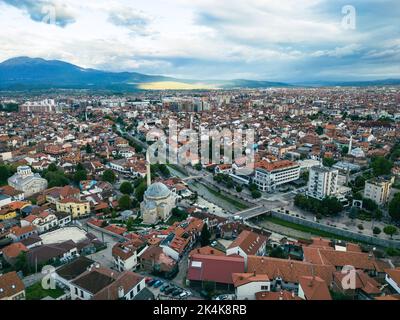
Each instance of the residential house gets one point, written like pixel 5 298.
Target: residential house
pixel 247 285
pixel 393 278
pixel 285 274
pixel 248 243
pixel 49 253
pixel 125 255
pixel 154 260
pixel 313 288
pixel 356 284
pixel 68 272
pixel 104 284
pixel 20 233
pixel 12 251
pixel 76 208
pixel 44 221
pixel 11 287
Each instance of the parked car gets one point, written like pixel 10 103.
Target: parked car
pixel 184 295
pixel 169 290
pixel 164 287
pixel 176 292
pixel 148 280
pixel 158 284
pixel 151 282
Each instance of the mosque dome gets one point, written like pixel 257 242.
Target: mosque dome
pixel 157 190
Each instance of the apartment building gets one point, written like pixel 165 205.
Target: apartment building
pixel 379 189
pixel 323 182
pixel 270 175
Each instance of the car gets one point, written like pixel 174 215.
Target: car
pixel 176 292
pixel 157 284
pixel 184 295
pixel 148 280
pixel 164 287
pixel 169 290
pixel 151 282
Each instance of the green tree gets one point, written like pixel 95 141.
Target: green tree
pixel 394 207
pixel 381 166
pixel 359 182
pixel 80 176
pixel 278 252
pixel 331 206
pixel 376 231
pixel 109 176
pixel 256 194
pixel 328 162
pixel 205 236
pixel 4 175
pixel 319 130
pixel 370 205
pixel 390 230
pixel 126 188
pixel 129 224
pixel 89 149
pixel 239 189
pixel 52 167
pixel 125 202
pixel 22 264
pixel 140 190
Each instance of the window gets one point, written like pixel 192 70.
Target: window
pixel 138 288
pixel 264 288
pixel 76 291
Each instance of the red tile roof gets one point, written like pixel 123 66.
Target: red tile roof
pixel 214 268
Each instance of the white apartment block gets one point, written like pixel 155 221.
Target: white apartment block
pixel 323 182
pixel 379 190
pixel 270 175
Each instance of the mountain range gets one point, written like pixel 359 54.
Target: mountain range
pixel 23 73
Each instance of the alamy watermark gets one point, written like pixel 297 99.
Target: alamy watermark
pixel 349 20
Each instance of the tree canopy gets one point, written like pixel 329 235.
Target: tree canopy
pixel 126 188
pixel 394 207
pixel 109 176
pixel 381 166
pixel 125 202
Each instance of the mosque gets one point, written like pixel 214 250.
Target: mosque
pixel 158 201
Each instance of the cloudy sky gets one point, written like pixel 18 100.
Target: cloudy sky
pixel 285 40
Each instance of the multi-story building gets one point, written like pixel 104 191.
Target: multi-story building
pixel 270 175
pixel 76 208
pixel 379 189
pixel 323 182
pixel 26 181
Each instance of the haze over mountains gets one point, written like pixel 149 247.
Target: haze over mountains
pixel 25 73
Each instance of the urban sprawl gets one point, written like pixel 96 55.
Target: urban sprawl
pixel 84 214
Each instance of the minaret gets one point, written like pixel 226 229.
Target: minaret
pixel 148 169
pixel 350 144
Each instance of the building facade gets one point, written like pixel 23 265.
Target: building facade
pixel 323 182
pixel 379 190
pixel 269 176
pixel 26 181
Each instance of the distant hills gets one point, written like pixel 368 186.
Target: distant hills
pixel 23 73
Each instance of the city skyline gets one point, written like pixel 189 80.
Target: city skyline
pixel 293 42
